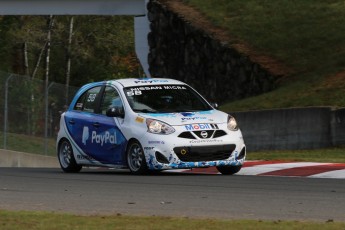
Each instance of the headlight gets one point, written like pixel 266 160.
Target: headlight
pixel 158 127
pixel 232 124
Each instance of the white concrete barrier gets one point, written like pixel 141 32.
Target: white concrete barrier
pixel 10 158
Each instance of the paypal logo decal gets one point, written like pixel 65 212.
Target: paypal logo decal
pixel 85 136
pixel 103 138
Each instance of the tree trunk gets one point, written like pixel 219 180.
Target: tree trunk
pixel 50 26
pixel 38 61
pixel 26 61
pixel 68 65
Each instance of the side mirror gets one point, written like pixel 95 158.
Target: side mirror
pixel 214 105
pixel 115 112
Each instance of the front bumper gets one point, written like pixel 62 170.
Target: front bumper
pixel 176 152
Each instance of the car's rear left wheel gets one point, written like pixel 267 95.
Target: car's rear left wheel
pixel 136 158
pixel 66 158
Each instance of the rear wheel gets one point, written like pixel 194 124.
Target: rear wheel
pixel 229 170
pixel 136 158
pixel 66 158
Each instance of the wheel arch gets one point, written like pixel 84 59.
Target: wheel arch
pixel 60 141
pixel 128 143
pixel 141 170
pixel 70 165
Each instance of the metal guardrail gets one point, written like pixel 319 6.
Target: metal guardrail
pixel 31 109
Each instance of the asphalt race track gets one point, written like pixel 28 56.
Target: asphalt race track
pixel 111 192
pixel 285 168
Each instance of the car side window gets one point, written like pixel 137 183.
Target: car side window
pixel 87 101
pixel 111 98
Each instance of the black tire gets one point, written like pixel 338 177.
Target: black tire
pixel 66 158
pixel 229 170
pixel 136 158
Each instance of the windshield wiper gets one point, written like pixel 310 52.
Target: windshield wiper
pixel 189 110
pixel 144 111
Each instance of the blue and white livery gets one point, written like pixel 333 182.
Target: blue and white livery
pixel 147 124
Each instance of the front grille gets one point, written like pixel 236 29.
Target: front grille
pixel 219 133
pixel 205 134
pixel 187 135
pixel 204 153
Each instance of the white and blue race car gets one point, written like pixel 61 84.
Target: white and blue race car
pixel 147 124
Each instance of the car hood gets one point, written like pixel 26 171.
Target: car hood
pixel 183 118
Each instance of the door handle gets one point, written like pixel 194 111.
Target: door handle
pixel 72 122
pixel 96 124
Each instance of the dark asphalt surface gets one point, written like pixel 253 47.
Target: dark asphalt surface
pixel 110 192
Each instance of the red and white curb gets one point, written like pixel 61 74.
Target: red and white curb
pixel 281 168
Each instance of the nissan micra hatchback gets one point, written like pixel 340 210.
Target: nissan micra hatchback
pixel 147 124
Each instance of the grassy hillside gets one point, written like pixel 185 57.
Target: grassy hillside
pixel 307 36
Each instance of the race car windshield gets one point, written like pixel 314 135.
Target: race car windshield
pixel 165 99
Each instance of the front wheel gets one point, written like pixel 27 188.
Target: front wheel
pixel 136 158
pixel 229 170
pixel 66 158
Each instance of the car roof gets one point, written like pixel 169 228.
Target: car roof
pixel 130 82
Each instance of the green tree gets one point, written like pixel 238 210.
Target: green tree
pixel 102 47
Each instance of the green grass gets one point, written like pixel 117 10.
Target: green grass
pixel 307 36
pixel 28 144
pixel 330 155
pixel 311 91
pixel 11 220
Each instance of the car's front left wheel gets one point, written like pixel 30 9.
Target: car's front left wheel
pixel 66 158
pixel 136 158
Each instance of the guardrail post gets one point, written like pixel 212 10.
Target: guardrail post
pixel 46 118
pixel 6 111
